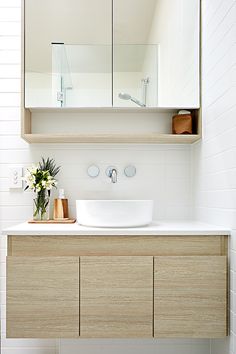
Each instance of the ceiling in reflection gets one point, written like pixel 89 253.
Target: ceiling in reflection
pixel 84 22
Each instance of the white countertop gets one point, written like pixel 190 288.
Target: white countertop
pixel 167 228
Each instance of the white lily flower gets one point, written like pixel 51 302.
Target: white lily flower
pixel 43 177
pixel 33 169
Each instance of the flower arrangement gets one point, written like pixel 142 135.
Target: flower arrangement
pixel 41 179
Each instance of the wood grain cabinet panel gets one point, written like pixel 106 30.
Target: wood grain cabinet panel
pixel 47 246
pixel 190 298
pixel 42 297
pixel 116 297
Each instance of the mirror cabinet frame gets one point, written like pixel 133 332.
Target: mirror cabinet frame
pixel 128 138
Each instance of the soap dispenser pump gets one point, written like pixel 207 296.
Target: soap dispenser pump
pixel 60 211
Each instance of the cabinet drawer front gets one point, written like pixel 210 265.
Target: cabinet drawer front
pixel 42 297
pixel 116 297
pixel 190 297
pixel 47 246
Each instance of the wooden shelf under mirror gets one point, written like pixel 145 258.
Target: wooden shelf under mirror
pixel 35 118
pixel 109 138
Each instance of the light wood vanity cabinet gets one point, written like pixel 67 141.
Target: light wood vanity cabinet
pixel 117 286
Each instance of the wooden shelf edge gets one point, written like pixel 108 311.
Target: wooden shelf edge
pixel 141 110
pixel 151 138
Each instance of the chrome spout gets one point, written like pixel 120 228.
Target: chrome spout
pixel 112 174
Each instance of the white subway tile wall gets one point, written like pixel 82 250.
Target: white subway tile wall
pixel 214 159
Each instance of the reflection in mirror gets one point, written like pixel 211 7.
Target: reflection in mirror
pixel 158 40
pixel 68 53
pixel 61 74
pixel 81 75
pixel 135 73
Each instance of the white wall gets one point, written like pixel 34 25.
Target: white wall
pixel 214 159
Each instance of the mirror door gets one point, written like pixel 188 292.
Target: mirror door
pixel 68 53
pixel 156 53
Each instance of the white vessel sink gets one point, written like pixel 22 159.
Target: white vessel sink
pixel 114 213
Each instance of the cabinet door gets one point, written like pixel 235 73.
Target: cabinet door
pixel 42 297
pixel 116 297
pixel 190 297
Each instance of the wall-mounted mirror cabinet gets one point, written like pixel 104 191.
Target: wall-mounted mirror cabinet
pixel 138 55
pixel 120 53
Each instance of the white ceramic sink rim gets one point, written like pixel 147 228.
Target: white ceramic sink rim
pixel 115 200
pixel 114 213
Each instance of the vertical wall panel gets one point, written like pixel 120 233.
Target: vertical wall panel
pixel 214 159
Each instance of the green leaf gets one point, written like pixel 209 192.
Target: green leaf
pixel 50 166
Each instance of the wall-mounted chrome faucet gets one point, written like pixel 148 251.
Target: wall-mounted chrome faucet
pixel 93 171
pixel 111 172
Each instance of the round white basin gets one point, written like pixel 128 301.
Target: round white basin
pixel 114 213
